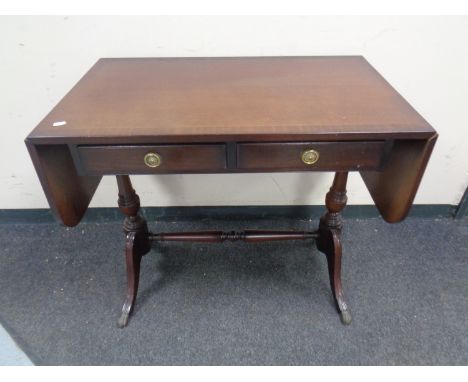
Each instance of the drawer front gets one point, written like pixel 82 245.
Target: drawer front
pixel 310 156
pixel 102 160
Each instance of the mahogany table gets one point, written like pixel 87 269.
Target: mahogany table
pixel 231 115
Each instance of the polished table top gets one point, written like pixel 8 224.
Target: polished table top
pixel 131 100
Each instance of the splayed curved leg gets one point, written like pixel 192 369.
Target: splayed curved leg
pixel 137 242
pixel 133 260
pixel 330 244
pixel 329 241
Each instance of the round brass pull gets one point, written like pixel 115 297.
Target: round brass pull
pixel 152 160
pixel 310 156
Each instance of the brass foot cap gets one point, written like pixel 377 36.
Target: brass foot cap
pixel 345 317
pixel 123 320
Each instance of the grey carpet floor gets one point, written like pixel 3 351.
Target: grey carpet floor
pixel 235 303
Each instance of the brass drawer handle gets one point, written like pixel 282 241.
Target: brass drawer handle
pixel 310 156
pixel 152 160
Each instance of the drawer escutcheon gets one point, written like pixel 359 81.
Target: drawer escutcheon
pixel 310 156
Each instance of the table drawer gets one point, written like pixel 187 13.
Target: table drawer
pixel 150 159
pixel 304 156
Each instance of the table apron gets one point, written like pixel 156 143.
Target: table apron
pixel 241 157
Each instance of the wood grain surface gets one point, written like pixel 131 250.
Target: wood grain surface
pixel 137 100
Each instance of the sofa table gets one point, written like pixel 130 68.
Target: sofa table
pixel 231 115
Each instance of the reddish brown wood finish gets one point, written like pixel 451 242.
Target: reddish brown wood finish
pixel 137 242
pixel 68 193
pixel 334 156
pixel 140 100
pixel 249 236
pixel 232 101
pixel 103 160
pixel 132 261
pixel 330 243
pixel 394 187
pixel 231 115
pixel 329 240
